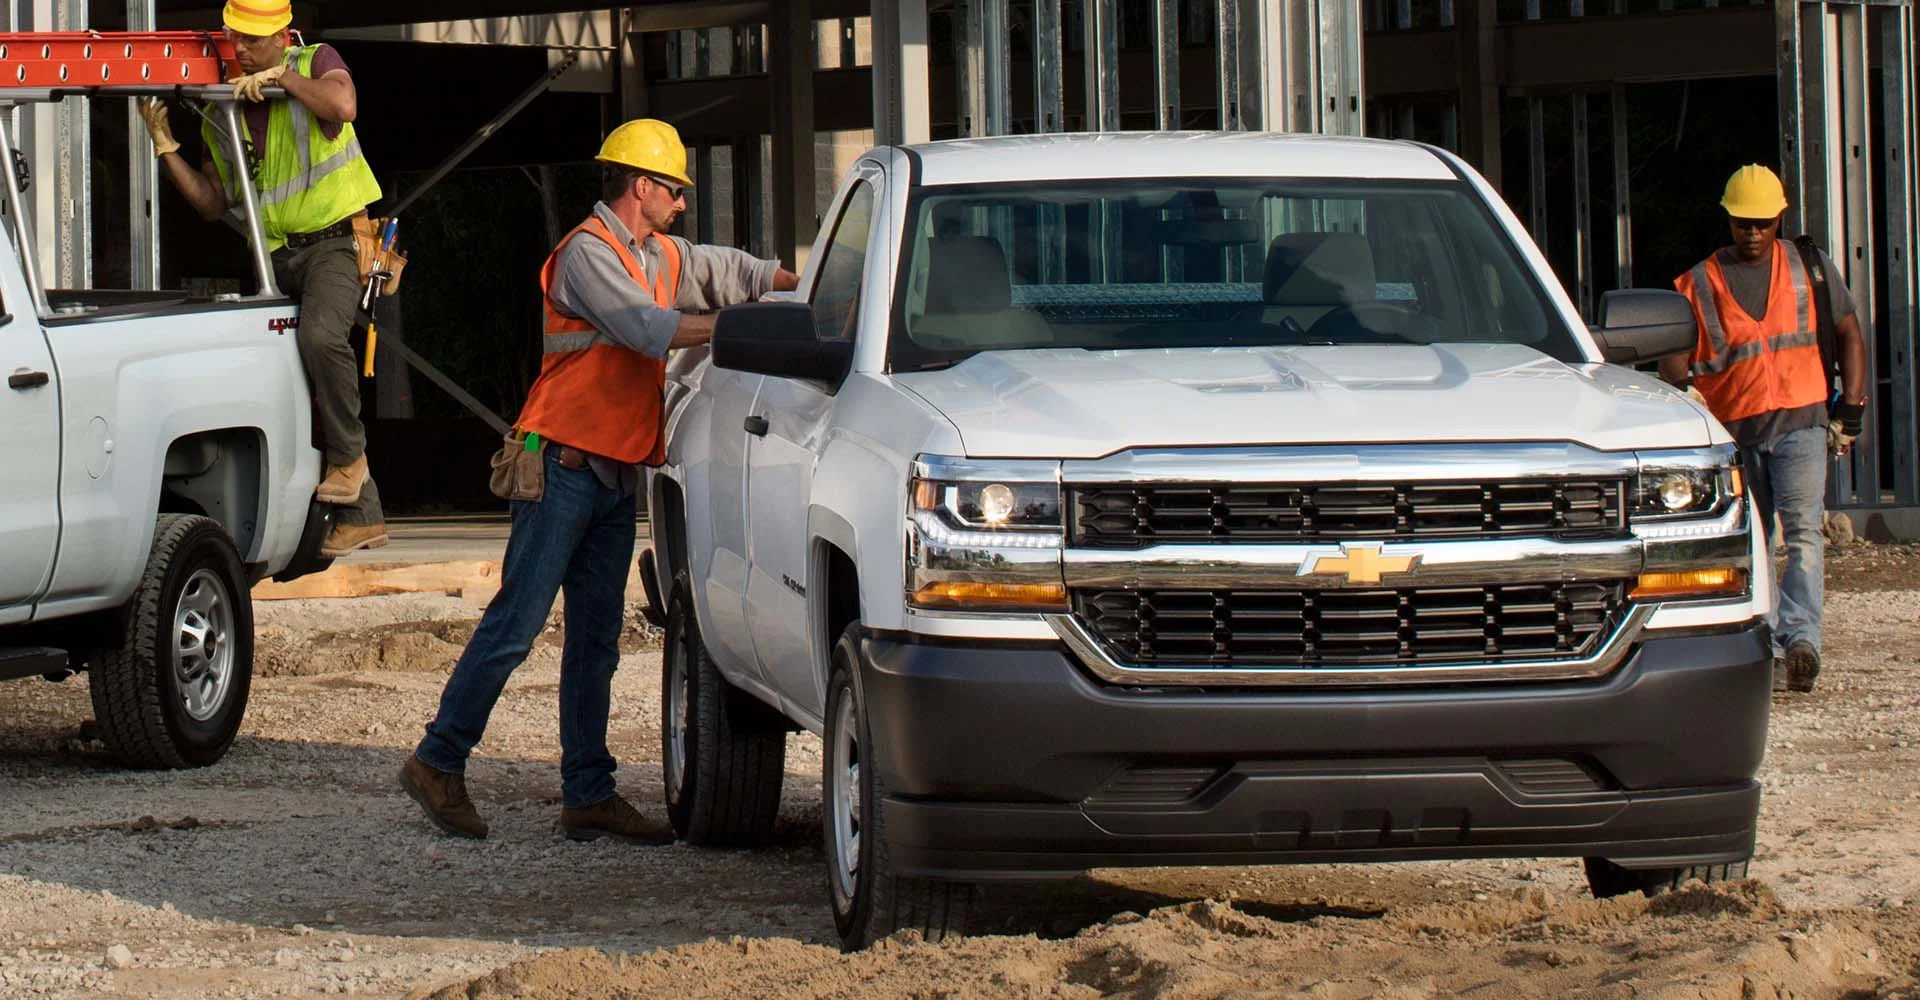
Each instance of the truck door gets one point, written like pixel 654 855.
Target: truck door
pixel 719 477
pixel 793 416
pixel 29 455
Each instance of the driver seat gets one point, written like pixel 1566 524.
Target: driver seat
pixel 1309 275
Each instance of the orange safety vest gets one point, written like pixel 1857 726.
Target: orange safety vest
pixel 1745 366
pixel 593 394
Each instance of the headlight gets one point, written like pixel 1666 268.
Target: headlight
pixel 992 506
pixel 1689 509
pixel 985 536
pixel 1668 489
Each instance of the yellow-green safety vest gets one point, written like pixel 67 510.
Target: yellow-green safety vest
pixel 305 182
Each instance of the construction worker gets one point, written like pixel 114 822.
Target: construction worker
pixel 1757 363
pixel 313 181
pixel 618 292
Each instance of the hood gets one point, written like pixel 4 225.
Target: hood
pixel 1066 403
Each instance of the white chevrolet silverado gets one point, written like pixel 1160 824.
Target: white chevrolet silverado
pixel 1201 499
pixel 156 459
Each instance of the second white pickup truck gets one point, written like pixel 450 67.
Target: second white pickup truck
pixel 156 460
pixel 1202 499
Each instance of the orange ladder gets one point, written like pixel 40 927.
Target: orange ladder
pixel 106 59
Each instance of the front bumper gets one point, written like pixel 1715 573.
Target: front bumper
pixel 1010 761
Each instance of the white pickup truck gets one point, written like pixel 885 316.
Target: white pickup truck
pixel 1202 499
pixel 156 459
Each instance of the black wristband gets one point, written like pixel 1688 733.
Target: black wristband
pixel 1849 415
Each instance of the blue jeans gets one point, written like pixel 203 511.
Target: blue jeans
pixel 578 539
pixel 1789 475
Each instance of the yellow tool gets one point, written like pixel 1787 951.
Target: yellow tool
pixel 376 286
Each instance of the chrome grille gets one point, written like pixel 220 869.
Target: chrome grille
pixel 1139 515
pixel 1353 628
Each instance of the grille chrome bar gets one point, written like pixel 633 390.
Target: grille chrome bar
pixel 1604 660
pixel 1263 567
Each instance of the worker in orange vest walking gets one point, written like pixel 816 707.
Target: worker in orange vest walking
pixel 618 293
pixel 1759 366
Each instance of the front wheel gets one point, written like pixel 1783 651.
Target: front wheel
pixel 172 693
pixel 1608 879
pixel 869 900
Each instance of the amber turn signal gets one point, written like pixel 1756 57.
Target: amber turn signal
pixel 954 594
pixel 1718 582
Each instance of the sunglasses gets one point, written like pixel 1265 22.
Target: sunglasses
pixel 674 191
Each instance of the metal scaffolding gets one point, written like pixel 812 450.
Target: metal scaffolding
pixel 1831 162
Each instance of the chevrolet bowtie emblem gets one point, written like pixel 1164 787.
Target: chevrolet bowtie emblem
pixel 1361 563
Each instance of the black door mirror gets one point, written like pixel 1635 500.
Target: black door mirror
pixel 777 338
pixel 1644 324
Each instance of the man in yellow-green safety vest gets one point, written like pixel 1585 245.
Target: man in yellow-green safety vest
pixel 313 183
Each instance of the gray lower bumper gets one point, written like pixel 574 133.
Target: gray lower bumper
pixel 1014 763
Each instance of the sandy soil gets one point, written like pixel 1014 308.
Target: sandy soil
pixel 296 868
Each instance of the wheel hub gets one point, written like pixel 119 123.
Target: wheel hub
pixel 203 624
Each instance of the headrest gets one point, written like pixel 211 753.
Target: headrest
pixel 1318 269
pixel 967 274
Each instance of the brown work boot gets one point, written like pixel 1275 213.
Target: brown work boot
pixel 345 538
pixel 1803 665
pixel 342 483
pixel 443 797
pixel 616 818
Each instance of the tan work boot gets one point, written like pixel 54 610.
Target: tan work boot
pixel 443 797
pixel 616 818
pixel 342 483
pixel 345 538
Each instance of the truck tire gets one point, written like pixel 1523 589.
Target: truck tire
pixel 723 755
pixel 869 901
pixel 172 693
pixel 1608 879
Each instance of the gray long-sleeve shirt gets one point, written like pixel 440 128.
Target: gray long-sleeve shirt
pixel 592 284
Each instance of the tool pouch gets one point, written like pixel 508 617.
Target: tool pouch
pixel 366 240
pixel 519 474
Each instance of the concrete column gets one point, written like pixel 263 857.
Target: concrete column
pixel 1479 88
pixel 790 73
pixel 900 109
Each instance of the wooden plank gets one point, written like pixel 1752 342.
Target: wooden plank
pixel 367 579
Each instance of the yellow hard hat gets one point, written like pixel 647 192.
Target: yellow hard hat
pixel 259 18
pixel 650 145
pixel 1754 192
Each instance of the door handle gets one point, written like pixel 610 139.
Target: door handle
pixel 26 380
pixel 757 426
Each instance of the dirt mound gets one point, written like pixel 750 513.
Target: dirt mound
pixel 427 646
pixel 1732 942
pixel 402 647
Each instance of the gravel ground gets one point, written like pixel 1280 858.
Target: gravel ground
pixel 296 867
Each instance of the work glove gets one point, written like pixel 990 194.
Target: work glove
pixel 249 87
pixel 1844 427
pixel 153 111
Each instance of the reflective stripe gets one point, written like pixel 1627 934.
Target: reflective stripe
pixel 1787 341
pixel 1721 362
pixel 567 343
pixel 1709 307
pixel 319 171
pixel 1797 271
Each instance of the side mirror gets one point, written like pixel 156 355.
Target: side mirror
pixel 1644 324
pixel 777 338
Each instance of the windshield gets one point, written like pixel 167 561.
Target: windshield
pixel 1179 263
